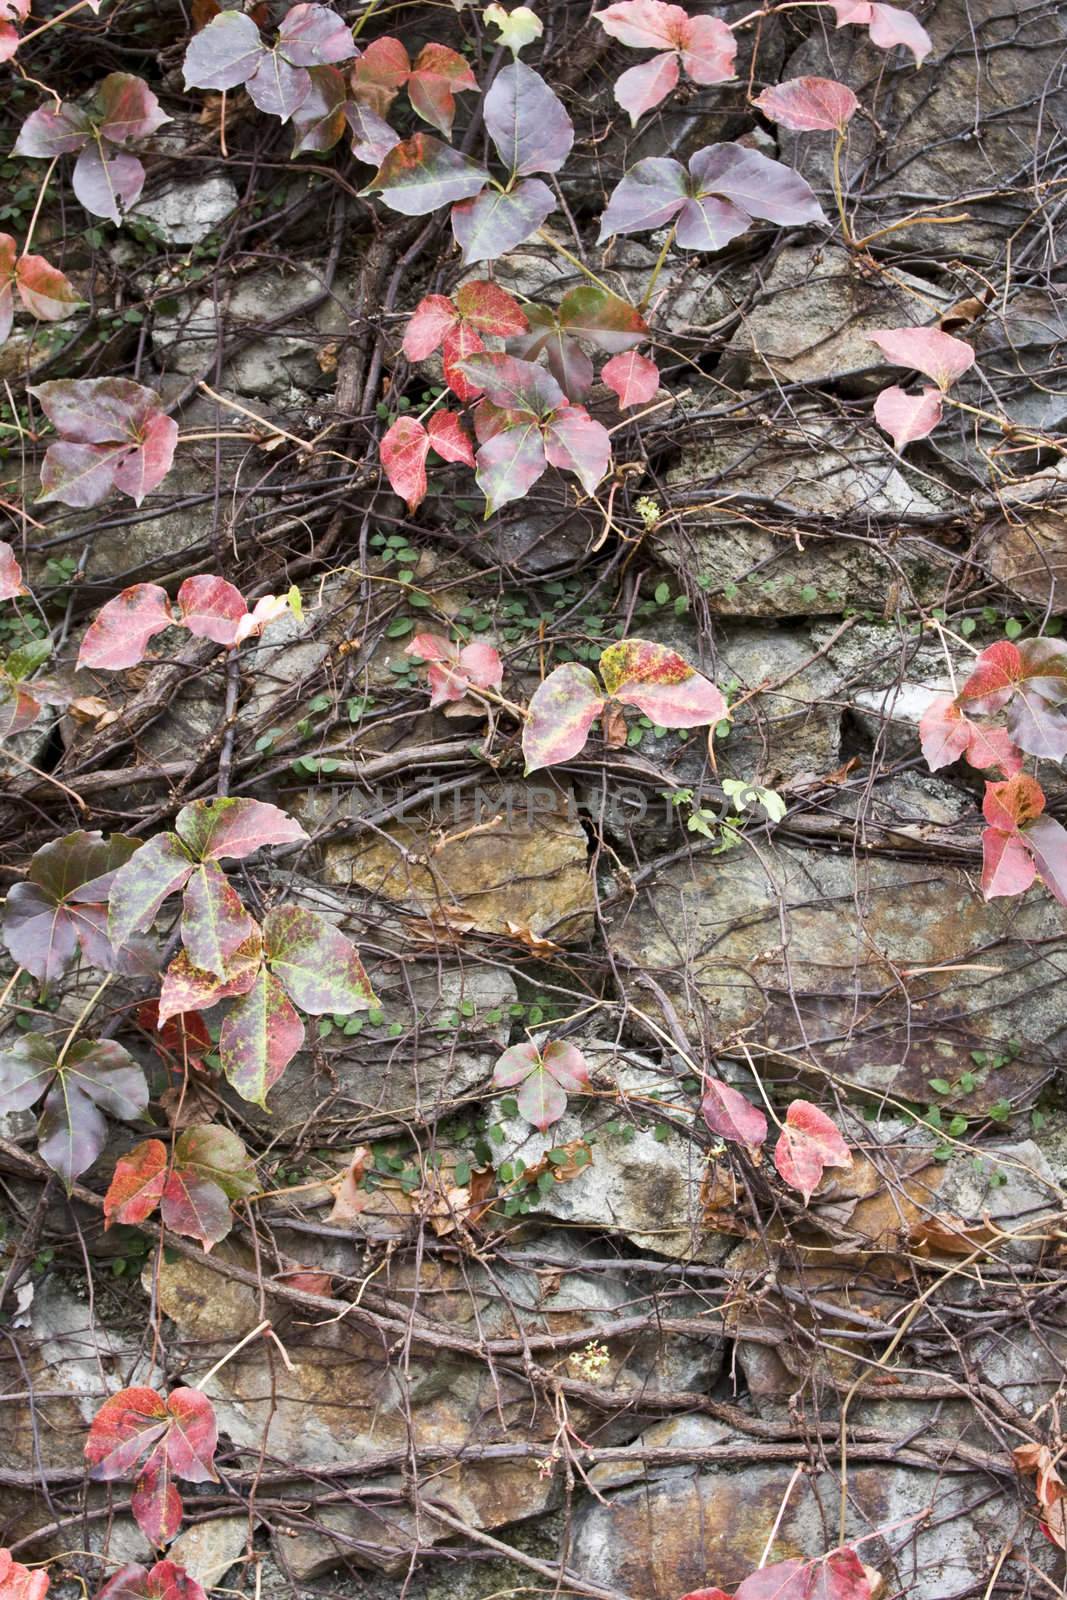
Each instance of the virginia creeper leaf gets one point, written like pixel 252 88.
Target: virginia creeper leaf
pixel 214 922
pixel 403 452
pixel 259 1038
pixel 935 354
pixel 731 1116
pixel 494 223
pixel 141 885
pixel 561 712
pixel 119 634
pixel 421 174
pixel 318 966
pixel 527 122
pixel 224 54
pixel 170 1436
pixel 320 120
pixel 808 1143
pixel 189 988
pixel 546 1077
pixel 230 830
pixel 907 417
pixel 165 1581
pixel 808 105
pixel 60 907
pixel 633 377
pixel 659 682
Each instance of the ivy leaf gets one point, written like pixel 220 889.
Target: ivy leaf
pixel 649 196
pixel 574 442
pixel 526 121
pixel 1007 866
pixel 45 292
pixel 433 318
pixel 137 1184
pixel 1031 680
pixel 546 1077
pixel 380 74
pixel 488 308
pixel 731 1116
pixel 509 463
pixel 495 222
pixel 230 830
pixel 119 634
pixel 403 451
pixel 907 417
pixel 372 137
pixel 838 1576
pixel 602 319
pixel 259 1038
pixel 211 608
pixel 314 36
pixel 754 183
pixel 439 74
pixel 224 54
pixel 567 361
pixel 16 1581
pixel 808 1143
pixel 170 1436
pixel 561 712
pixel 809 105
pixel 661 683
pixel 935 354
pixel 189 988
pixel 95 1076
pixel 216 1154
pixel 107 182
pixel 704 45
pixel 421 174
pixel 317 965
pixel 633 377
pixel 60 907
pixel 641 88
pixel 321 118
pixel 214 922
pixel 886 26
pixel 165 1581
pixel 141 885
pixel 113 432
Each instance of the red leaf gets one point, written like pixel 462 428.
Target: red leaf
pixel 488 308
pixel 561 713
pixel 1011 805
pixel 44 290
pixel 641 88
pixel 450 438
pixel 731 1116
pixel 380 73
pixel 938 355
pixel 838 1576
pixel 195 1207
pixel 18 1582
pixel 165 1581
pixel 460 342
pixel 645 24
pixel 187 988
pixel 659 682
pixel 887 26
pixel 944 732
pixel 403 451
pixel 143 469
pixel 10 573
pixel 907 417
pixel 137 1185
pixel 997 672
pixel 1046 840
pixel 176 1436
pixel 992 747
pixel 575 442
pixel 430 321
pixel 211 608
pixel 437 76
pixel 230 829
pixel 808 1143
pixel 634 378
pixel 809 105
pixel 183 1036
pixel 118 636
pixel 259 1038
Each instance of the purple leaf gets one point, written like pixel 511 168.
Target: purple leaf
pixel 514 385
pixel 95 1077
pixel 1046 840
pixel 320 121
pixel 211 608
pixel 48 132
pixel 60 907
pixel 224 54
pixel 561 713
pixel 259 1038
pixel 143 469
pixel 277 87
pixel 95 410
pixel 107 182
pixel 754 183
pixel 421 174
pixel 372 137
pixel 315 36
pixel 605 320
pixel 526 121
pixel 319 968
pixel 575 443
pixel 710 223
pixel 649 196
pixel 567 361
pixel 494 223
pixel 139 887
pixel 80 474
pixel 510 463
pixel 731 1116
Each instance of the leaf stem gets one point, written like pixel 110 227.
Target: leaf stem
pixel 10 984
pixel 37 208
pixel 658 268
pixel 839 194
pixel 543 233
pixel 85 1010
pixel 261 1327
pixel 54 22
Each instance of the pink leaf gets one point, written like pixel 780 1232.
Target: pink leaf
pixel 731 1116
pixel 907 417
pixel 143 469
pixel 575 442
pixel 432 318
pixel 641 88
pixel 809 105
pixel 546 1077
pixel 993 747
pixel 1007 867
pixel 165 1581
pixel 1013 804
pixel 18 1582
pixel 482 665
pixel 808 1143
pixel 43 289
pixel 935 354
pixel 490 309
pixel 838 1576
pixel 119 635
pixel 1046 840
pixel 266 609
pixel 229 829
pixel 449 437
pixel 211 608
pixel 887 26
pixel 708 50
pixel 634 378
pixel 403 451
pixel 661 683
pixel 438 75
pixel 10 573
pixel 944 732
pixel 645 24
pixel 561 713
pixel 9 43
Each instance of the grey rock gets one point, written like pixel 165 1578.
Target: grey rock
pixel 812 320
pixel 189 209
pixel 208 1550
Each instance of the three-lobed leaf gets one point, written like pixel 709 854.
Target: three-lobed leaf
pixel 161 1437
pixel 544 1075
pixel 808 1143
pixel 94 1077
pixel 60 908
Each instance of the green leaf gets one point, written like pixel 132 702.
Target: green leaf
pixel 318 966
pixel 259 1038
pixel 140 887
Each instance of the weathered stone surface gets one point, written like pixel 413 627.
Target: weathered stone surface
pixel 988 101
pixel 685 1530
pixel 1026 549
pixel 806 479
pixel 812 319
pixel 531 869
pixel 837 990
pixel 187 210
pixel 208 1550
